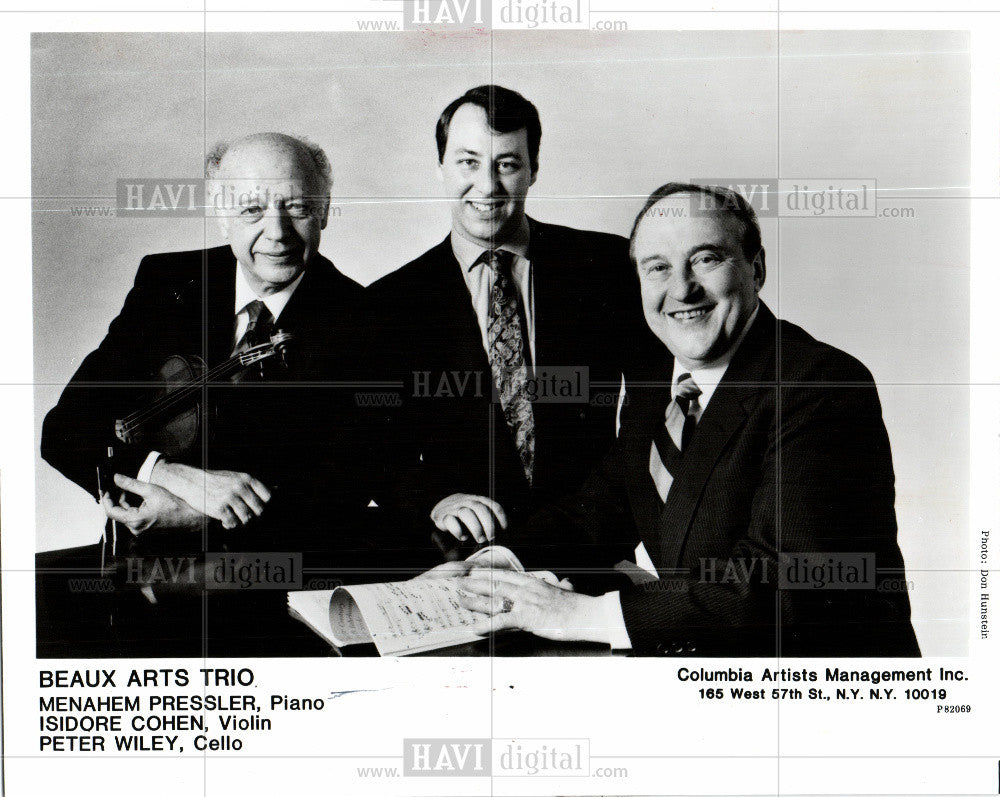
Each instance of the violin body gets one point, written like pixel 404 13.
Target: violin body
pixel 178 427
pixel 174 418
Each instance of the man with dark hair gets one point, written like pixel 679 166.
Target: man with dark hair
pixel 276 465
pixel 707 197
pixel 476 325
pixel 506 112
pixel 751 486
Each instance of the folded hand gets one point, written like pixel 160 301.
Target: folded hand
pixel 230 496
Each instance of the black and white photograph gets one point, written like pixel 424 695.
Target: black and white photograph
pixel 428 400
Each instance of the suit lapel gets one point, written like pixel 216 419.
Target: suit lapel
pixel 219 276
pixel 458 332
pixel 648 393
pixel 724 416
pixel 556 319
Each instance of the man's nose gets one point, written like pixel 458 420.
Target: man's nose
pixel 487 181
pixel 682 286
pixel 277 224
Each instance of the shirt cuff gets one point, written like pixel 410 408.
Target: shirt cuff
pixel 614 621
pixel 146 471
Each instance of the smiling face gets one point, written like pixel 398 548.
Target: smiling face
pixel 271 210
pixel 486 175
pixel 698 288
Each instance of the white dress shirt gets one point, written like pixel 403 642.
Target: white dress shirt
pixel 275 302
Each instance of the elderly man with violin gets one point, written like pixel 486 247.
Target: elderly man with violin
pixel 217 414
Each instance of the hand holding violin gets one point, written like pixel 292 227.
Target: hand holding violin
pixel 229 496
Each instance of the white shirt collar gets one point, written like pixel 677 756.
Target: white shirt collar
pixel 275 302
pixel 708 378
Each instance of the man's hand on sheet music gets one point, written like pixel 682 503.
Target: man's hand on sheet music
pixel 511 600
pixel 230 496
pixel 159 509
pixel 462 514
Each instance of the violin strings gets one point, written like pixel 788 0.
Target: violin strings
pixel 138 418
pixel 158 406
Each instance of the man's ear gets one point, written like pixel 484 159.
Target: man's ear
pixel 326 214
pixel 759 269
pixel 215 200
pixel 534 175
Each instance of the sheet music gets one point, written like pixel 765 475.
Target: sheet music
pixel 318 610
pixel 400 614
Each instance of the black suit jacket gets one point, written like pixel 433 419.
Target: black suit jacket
pixel 449 435
pixel 789 463
pixel 293 429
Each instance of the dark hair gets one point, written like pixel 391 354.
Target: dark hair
pixel 728 200
pixel 506 111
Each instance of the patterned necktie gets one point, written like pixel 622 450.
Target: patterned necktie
pixel 258 331
pixel 506 350
pixel 672 438
pixel 258 327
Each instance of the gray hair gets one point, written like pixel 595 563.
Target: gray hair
pixel 311 155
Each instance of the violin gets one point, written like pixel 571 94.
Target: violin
pixel 172 421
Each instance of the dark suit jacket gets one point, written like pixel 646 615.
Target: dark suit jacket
pixel 292 430
pixel 449 435
pixel 790 459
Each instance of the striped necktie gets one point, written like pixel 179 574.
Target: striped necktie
pixel 258 328
pixel 672 438
pixel 506 351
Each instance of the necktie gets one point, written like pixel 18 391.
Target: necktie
pixel 506 351
pixel 258 327
pixel 673 436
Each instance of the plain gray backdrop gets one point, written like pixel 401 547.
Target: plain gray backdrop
pixel 621 114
